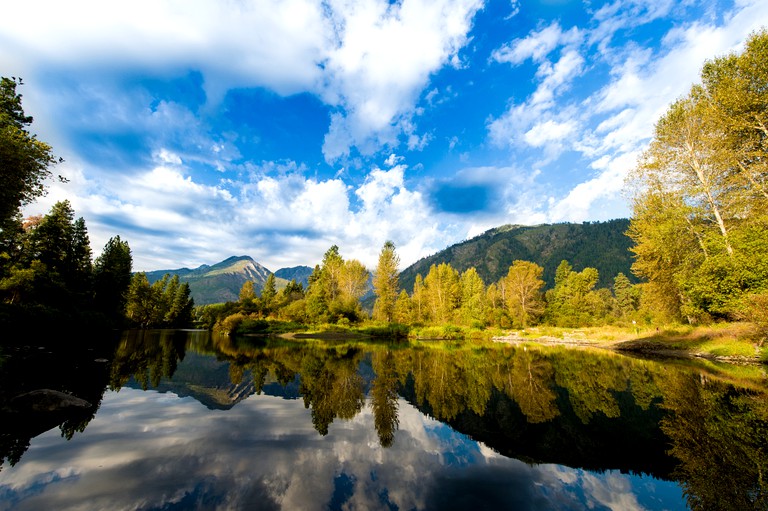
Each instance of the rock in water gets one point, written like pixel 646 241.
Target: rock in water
pixel 47 400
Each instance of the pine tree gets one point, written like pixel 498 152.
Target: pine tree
pixel 112 277
pixel 24 160
pixel 269 292
pixel 386 283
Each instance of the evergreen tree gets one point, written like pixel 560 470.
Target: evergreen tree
pixel 385 283
pixel 269 292
pixel 61 245
pixel 112 277
pixel 81 262
pixel 181 308
pixel 316 306
pixel 24 160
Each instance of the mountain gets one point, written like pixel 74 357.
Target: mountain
pixel 207 379
pixel 298 273
pixel 601 245
pixel 222 281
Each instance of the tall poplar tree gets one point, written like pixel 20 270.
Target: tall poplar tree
pixel 524 299
pixel 442 292
pixel 472 308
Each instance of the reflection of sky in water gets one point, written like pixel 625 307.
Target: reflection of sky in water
pixel 146 450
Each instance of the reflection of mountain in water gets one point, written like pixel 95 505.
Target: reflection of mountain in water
pixel 208 381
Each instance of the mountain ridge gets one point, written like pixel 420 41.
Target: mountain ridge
pixel 601 245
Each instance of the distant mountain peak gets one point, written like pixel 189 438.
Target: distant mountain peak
pixel 222 282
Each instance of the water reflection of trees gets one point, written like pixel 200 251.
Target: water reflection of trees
pixel 331 387
pixel 384 396
pixel 147 356
pixel 719 433
pixel 47 384
pixel 579 408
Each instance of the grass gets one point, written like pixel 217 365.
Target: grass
pixel 738 340
pixel 735 340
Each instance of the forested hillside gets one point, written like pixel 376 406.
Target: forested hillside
pixel 600 245
pixel 299 274
pixel 218 283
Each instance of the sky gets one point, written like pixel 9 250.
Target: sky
pixel 201 129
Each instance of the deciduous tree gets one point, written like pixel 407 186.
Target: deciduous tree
pixel 523 295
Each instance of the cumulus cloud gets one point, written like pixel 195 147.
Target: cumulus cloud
pixel 278 215
pixel 522 123
pixel 615 121
pixel 130 456
pixel 374 75
pixel 266 44
pixel 357 56
pixel 537 45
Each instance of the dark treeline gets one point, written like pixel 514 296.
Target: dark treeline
pixel 48 277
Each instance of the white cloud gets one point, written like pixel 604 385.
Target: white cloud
pixel 357 55
pixel 278 215
pixel 166 156
pixel 266 44
pixel 610 125
pixel 537 45
pixel 522 122
pixel 580 202
pixel 375 76
pixel 548 132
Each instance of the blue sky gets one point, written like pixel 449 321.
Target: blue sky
pixel 200 129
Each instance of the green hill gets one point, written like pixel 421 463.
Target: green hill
pixel 601 245
pixel 222 281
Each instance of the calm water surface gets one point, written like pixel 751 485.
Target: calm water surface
pixel 173 420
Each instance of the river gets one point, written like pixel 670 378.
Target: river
pixel 175 420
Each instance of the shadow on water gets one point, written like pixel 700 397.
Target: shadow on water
pixel 55 381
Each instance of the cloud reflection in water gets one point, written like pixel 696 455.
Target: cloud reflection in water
pixel 148 450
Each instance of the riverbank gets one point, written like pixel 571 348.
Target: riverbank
pixel 728 342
